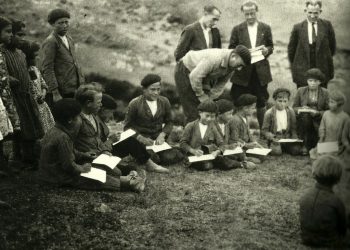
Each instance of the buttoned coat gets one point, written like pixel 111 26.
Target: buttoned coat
pixel 192 38
pixel 299 50
pixel 240 36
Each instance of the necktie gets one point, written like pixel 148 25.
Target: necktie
pixel 313 33
pixel 210 44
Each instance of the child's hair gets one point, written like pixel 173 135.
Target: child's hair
pixel 245 100
pixel 337 96
pixel 281 93
pixel 315 73
pixel 4 22
pixel 224 105
pixel 66 109
pixel 327 170
pixel 86 93
pixel 208 106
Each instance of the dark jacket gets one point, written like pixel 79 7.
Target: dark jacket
pixel 192 38
pixel 299 50
pixel 59 66
pixel 238 131
pixel 139 117
pixel 302 97
pixel 322 217
pixel 239 36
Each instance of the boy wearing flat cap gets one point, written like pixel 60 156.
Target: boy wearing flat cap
pixel 58 62
pixel 310 103
pixel 202 75
pixel 150 116
pixel 280 123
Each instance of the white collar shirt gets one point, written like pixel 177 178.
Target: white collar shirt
pixel 309 30
pixel 203 129
pixel 253 31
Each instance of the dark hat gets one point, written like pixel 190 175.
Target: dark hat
pixel 66 109
pixel 224 105
pixel 29 48
pixel 244 53
pixel 57 14
pixel 208 106
pixel 245 100
pixel 315 73
pixel 108 102
pixel 279 91
pixel 17 25
pixel 4 22
pixel 150 79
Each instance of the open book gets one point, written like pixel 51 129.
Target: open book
pixel 259 151
pixel 107 160
pixel 289 140
pixel 207 157
pixel 327 147
pixel 158 148
pixel 125 135
pixel 256 54
pixel 96 174
pixel 237 150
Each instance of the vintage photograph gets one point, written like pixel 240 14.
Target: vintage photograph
pixel 174 124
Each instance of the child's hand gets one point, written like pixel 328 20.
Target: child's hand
pixel 144 140
pixel 215 153
pixel 160 139
pixel 90 155
pixel 85 168
pixel 115 137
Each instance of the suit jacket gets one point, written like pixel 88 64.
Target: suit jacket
pixel 238 130
pixel 139 117
pixel 192 38
pixel 191 137
pixel 239 36
pixel 59 66
pixel 302 97
pixel 299 50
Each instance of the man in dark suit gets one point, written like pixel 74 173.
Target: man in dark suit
pixel 254 78
pixel 58 64
pixel 200 35
pixel 312 45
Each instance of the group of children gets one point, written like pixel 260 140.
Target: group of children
pixel 74 132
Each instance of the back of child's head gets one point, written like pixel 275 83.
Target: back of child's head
pixel 224 106
pixel 208 106
pixel 281 93
pixel 337 96
pixel 245 100
pixel 316 74
pixel 327 170
pixel 86 93
pixel 65 110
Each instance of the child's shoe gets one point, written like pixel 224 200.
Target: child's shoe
pixel 151 166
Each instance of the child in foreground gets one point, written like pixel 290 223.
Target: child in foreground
pixel 58 162
pixel 280 123
pixel 322 213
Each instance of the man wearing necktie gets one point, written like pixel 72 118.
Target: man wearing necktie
pixel 202 34
pixel 312 45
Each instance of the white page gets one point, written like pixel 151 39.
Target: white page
pixel 259 151
pixel 256 56
pixel 107 160
pixel 237 150
pixel 159 148
pixel 125 135
pixel 304 110
pixel 206 157
pixel 96 174
pixel 289 140
pixel 327 147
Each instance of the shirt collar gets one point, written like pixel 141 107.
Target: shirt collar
pixel 310 22
pixel 202 25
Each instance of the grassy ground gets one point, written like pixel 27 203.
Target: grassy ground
pixel 187 209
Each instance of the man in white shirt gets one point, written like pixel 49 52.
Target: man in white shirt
pixel 255 78
pixel 312 44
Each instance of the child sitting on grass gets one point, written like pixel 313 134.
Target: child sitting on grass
pixel 58 162
pixel 322 213
pixel 238 131
pixel 280 123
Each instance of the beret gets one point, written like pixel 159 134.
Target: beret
pixel 315 73
pixel 224 105
pixel 245 100
pixel 281 90
pixel 56 14
pixel 208 106
pixel 108 102
pixel 244 53
pixel 150 79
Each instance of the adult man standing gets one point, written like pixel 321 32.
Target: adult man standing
pixel 202 34
pixel 253 79
pixel 58 61
pixel 202 75
pixel 312 44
